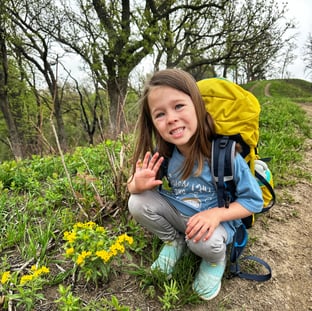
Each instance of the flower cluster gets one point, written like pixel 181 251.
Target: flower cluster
pixel 36 273
pixel 92 248
pixel 25 289
pixel 5 277
pixel 26 278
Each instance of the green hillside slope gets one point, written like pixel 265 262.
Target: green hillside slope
pixel 295 89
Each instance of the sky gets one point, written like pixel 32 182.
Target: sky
pixel 301 12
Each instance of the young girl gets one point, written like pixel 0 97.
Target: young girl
pixel 174 121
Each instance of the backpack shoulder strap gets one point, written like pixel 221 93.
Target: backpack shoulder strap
pixel 222 159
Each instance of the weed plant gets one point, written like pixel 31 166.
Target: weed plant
pixel 23 289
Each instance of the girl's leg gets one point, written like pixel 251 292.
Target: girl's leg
pixel 212 250
pixel 154 213
pixel 207 282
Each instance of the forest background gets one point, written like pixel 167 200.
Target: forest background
pixel 45 109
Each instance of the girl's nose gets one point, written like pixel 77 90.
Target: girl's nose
pixel 171 117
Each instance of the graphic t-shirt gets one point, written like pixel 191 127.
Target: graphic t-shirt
pixel 198 193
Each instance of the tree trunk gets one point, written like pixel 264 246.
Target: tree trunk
pixel 60 124
pixel 117 94
pixel 15 143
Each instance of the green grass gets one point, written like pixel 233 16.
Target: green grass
pixel 283 130
pixel 40 199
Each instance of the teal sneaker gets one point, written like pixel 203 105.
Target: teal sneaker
pixel 168 257
pixel 207 282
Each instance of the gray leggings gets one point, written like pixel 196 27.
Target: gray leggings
pixel 154 213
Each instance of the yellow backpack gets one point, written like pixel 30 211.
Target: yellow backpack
pixel 236 115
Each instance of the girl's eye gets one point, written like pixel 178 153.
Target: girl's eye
pixel 179 106
pixel 159 115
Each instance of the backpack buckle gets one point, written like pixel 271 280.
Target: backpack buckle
pixel 223 141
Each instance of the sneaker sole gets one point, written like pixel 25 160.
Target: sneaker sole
pixel 212 296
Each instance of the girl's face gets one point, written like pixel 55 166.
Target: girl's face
pixel 173 115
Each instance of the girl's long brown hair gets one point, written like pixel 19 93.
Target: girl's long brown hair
pixel 148 138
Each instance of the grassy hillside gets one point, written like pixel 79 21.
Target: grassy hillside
pixel 295 89
pixel 284 126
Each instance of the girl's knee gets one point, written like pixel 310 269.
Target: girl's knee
pixel 135 204
pixel 212 250
pixel 142 204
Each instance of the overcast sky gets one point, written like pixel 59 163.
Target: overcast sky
pixel 301 11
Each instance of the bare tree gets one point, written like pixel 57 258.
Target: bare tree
pixel 208 38
pixel 308 54
pixel 214 38
pixel 113 38
pixel 29 41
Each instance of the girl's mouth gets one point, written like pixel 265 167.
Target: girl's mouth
pixel 177 131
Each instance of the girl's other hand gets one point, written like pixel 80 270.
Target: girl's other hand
pixel 202 225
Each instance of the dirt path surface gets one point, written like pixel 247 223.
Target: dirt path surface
pixel 267 90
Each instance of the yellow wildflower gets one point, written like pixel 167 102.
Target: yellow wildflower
pixel 113 249
pixel 41 270
pixel 130 240
pixel 5 277
pixel 45 269
pixel 119 247
pixel 69 251
pixel 104 255
pixel 81 257
pixel 70 236
pixel 26 278
pixel 125 238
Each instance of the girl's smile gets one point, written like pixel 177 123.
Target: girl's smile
pixel 173 115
